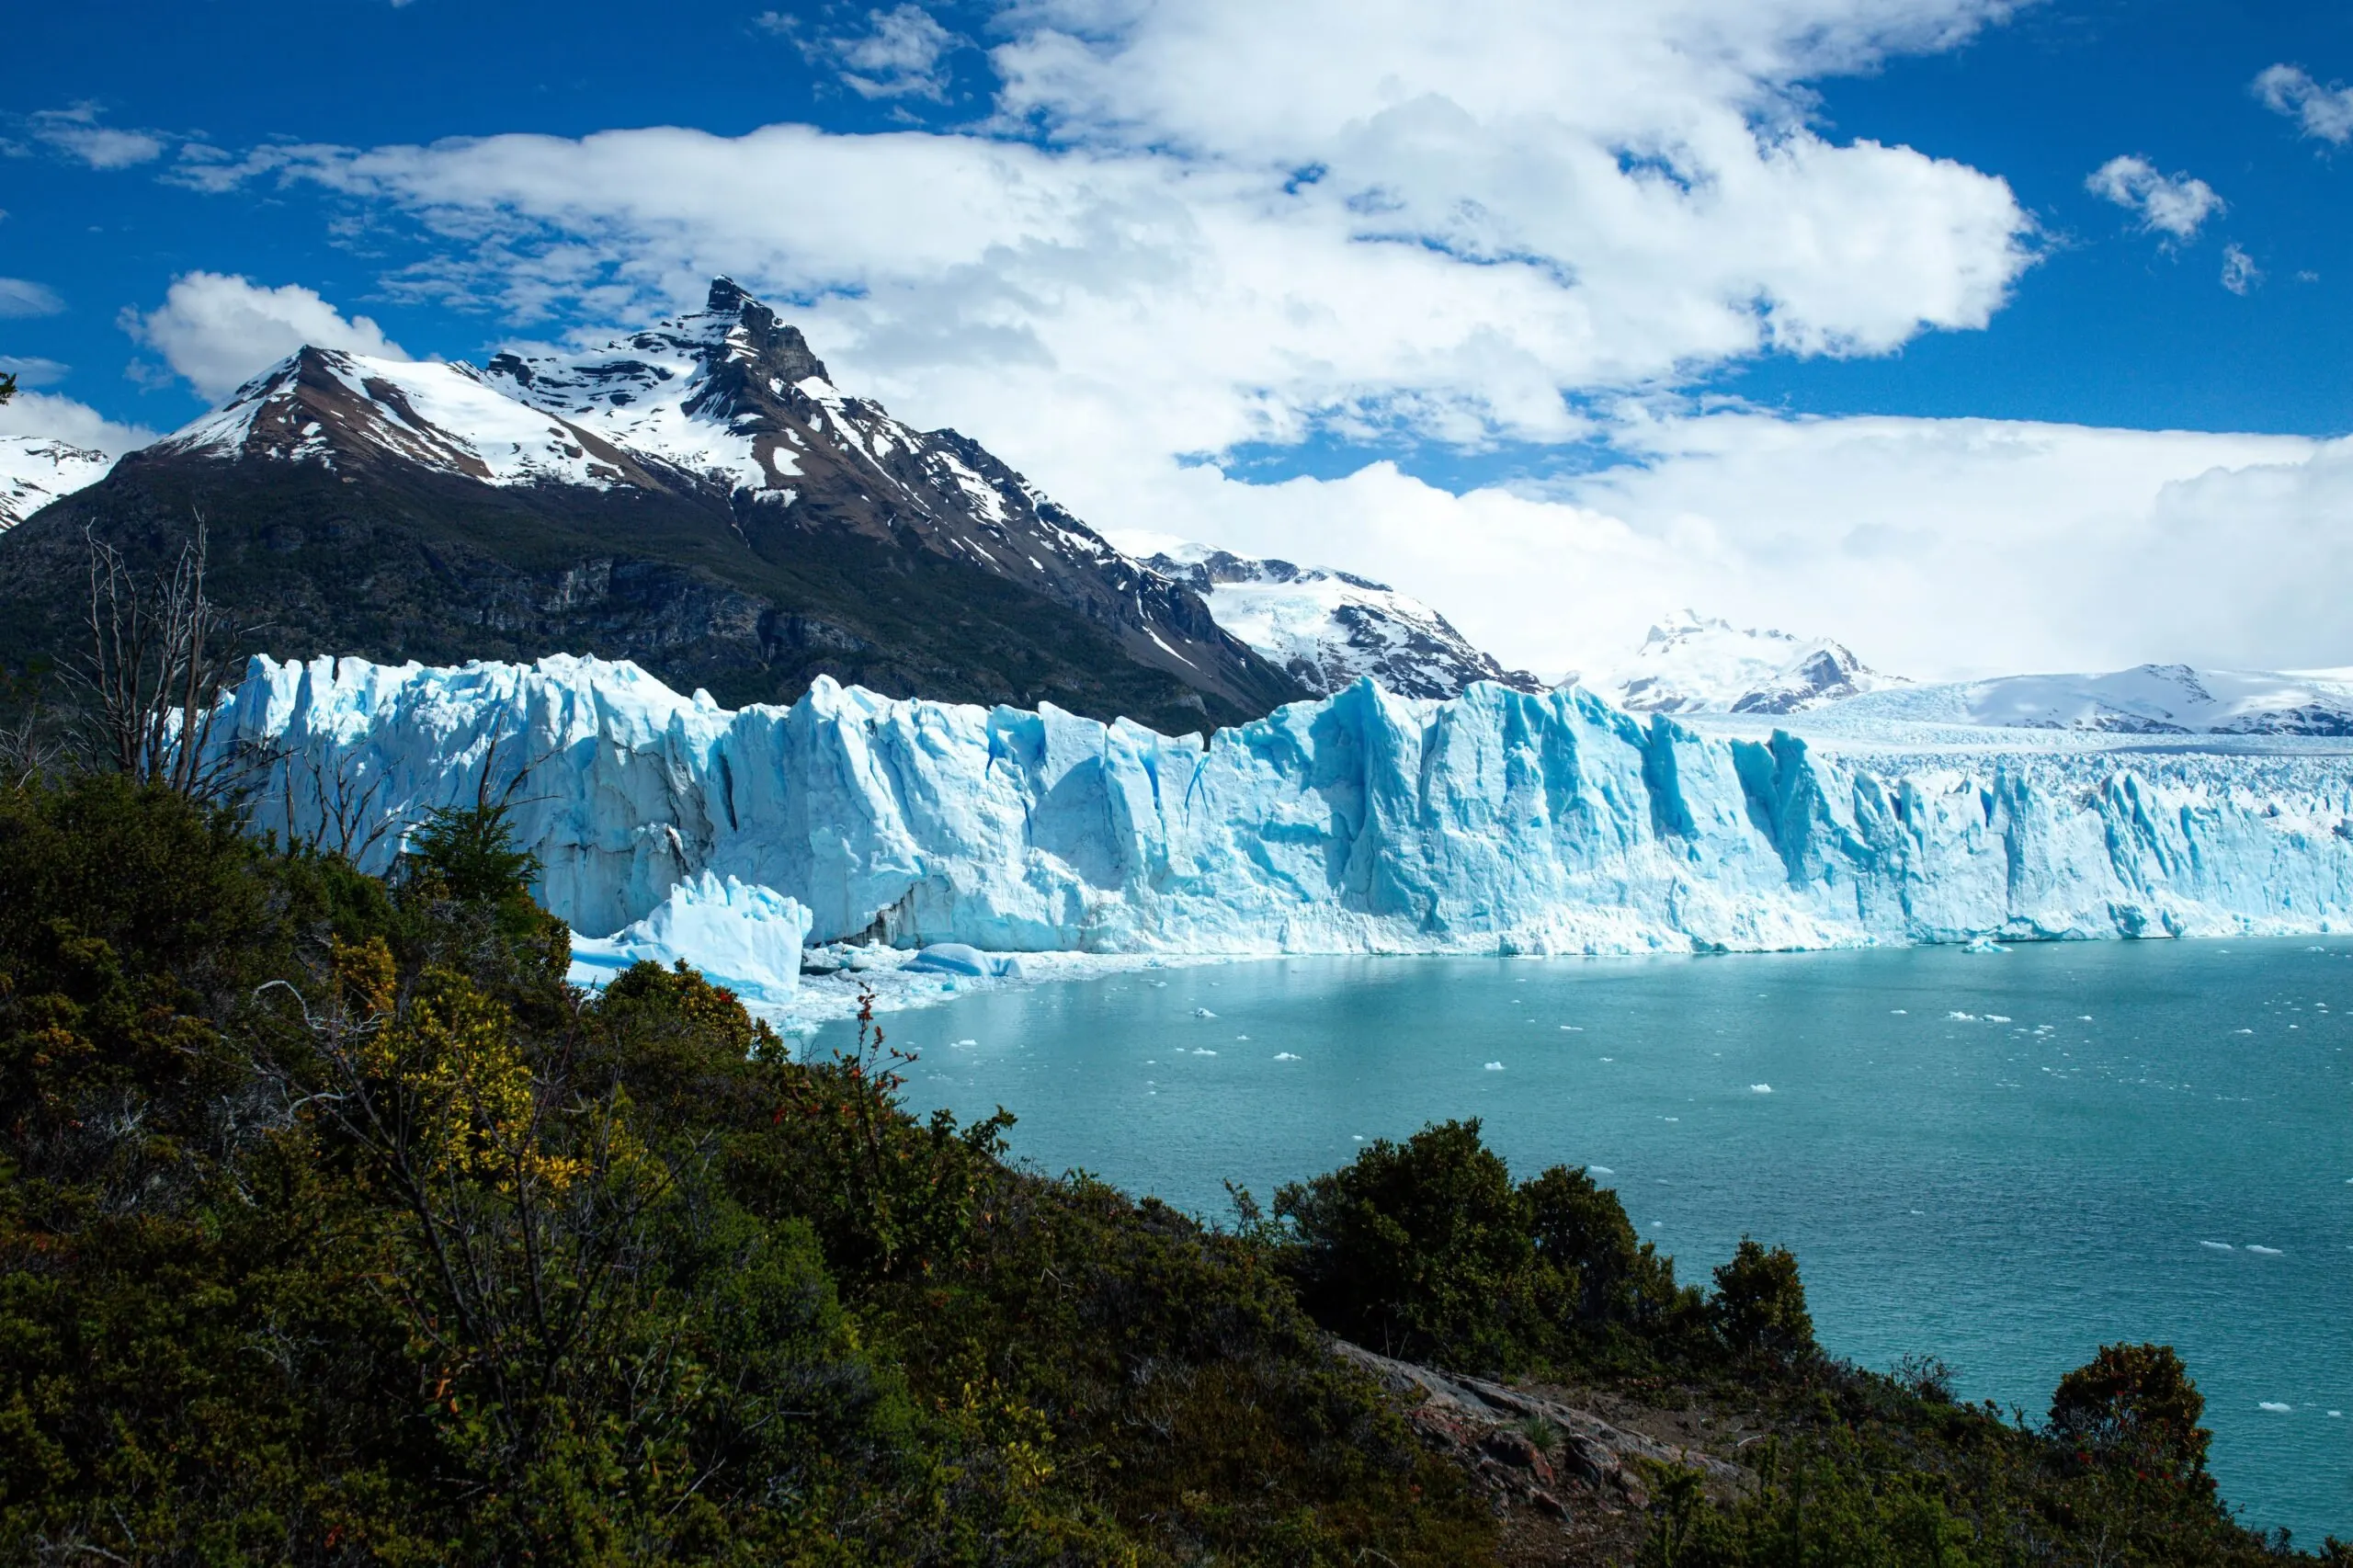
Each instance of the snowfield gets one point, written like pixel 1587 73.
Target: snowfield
pixel 37 470
pixel 1695 663
pixel 1500 822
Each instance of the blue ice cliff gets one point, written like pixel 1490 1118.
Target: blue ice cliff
pixel 1500 821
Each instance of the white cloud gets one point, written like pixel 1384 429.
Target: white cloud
pixel 1936 548
pixel 2169 204
pixel 45 414
pixel 76 131
pixel 1247 221
pixel 1494 219
pixel 22 297
pixel 217 331
pixel 32 369
pixel 2239 271
pixel 2323 112
pixel 902 53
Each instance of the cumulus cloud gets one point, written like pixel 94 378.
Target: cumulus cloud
pixel 45 414
pixel 1196 224
pixel 2325 113
pixel 2168 204
pixel 2239 271
pixel 216 330
pixel 76 131
pixel 1191 226
pixel 21 297
pixel 901 53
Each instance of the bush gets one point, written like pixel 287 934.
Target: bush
pixel 338 1228
pixel 1758 1310
pixel 2134 1403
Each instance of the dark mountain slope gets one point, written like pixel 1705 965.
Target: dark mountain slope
pixel 697 498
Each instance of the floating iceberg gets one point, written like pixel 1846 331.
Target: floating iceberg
pixel 1498 821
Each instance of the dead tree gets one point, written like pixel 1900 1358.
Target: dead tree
pixel 149 687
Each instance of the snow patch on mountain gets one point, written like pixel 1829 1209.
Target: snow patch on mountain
pixel 1330 629
pixel 2148 699
pixel 1497 822
pixel 439 416
pixel 37 470
pixel 1692 664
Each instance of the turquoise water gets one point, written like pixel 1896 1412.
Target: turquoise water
pixel 2144 1141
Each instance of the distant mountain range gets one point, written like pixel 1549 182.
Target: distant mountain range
pixel 2147 699
pixel 702 498
pixel 699 497
pixel 1328 628
pixel 1692 664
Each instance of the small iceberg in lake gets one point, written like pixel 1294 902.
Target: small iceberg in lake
pixel 1285 1056
pixel 2274 1406
pixel 1760 1088
pixel 1962 1017
pixel 1198 1051
pixel 959 958
pixel 1983 945
pixel 2266 1252
pixel 1203 1013
pixel 2218 1246
pixel 1494 1067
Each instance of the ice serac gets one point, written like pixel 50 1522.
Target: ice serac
pixel 1500 821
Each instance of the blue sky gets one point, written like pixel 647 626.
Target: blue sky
pixel 2051 305
pixel 2112 327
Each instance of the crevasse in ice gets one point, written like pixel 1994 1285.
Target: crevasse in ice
pixel 1497 822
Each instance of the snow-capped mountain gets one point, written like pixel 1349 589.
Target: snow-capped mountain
pixel 37 470
pixel 1329 628
pixel 1692 664
pixel 2149 699
pixel 698 496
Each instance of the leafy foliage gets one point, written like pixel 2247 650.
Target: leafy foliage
pixel 335 1228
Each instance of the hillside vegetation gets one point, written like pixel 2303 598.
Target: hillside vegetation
pixel 334 1227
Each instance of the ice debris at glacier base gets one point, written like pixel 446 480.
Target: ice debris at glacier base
pixel 1499 821
pixel 746 939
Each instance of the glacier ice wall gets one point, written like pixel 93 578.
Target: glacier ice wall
pixel 1500 821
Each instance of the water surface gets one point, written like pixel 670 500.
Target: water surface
pixel 2004 1160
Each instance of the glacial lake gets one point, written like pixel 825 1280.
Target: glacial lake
pixel 2000 1159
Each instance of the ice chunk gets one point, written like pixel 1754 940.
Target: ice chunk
pixel 2218 1246
pixel 1285 1056
pixel 2275 1406
pixel 1494 1067
pixel 962 957
pixel 2268 1252
pixel 746 939
pixel 1760 1088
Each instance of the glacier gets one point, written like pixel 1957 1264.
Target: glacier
pixel 1498 821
